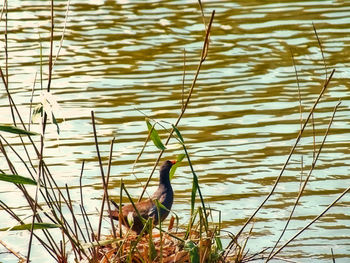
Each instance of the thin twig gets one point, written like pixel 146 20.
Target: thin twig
pixel 75 221
pixel 313 136
pixel 100 164
pixel 51 47
pixel 40 171
pixel 5 79
pixel 81 184
pixel 9 163
pixel 105 188
pixel 120 207
pixel 16 254
pixel 284 166
pixel 6 47
pixel 41 167
pixel 63 32
pixel 313 165
pixel 2 10
pixel 333 258
pixel 203 56
pixel 301 171
pixel 31 102
pixel 299 95
pixel 50 250
pixel 183 82
pixel 202 14
pixel 141 152
pixel 86 222
pixel 300 109
pixel 312 221
pixel 320 45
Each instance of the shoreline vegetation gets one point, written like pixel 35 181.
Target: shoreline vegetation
pixel 81 241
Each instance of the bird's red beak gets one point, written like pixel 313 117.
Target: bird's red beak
pixel 173 161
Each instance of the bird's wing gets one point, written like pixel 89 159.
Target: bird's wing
pixel 144 208
pixel 153 211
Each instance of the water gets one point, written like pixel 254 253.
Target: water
pixel 122 57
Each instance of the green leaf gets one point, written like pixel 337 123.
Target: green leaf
pixel 219 244
pixel 48 105
pixel 194 191
pixel 160 205
pixel 13 129
pixel 55 122
pixel 37 112
pixel 191 247
pixel 178 133
pixel 180 157
pixel 154 136
pixel 29 227
pixel 17 179
pixel 152 254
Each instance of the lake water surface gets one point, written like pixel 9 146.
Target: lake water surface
pixel 123 59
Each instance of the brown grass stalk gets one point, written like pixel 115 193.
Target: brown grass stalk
pixel 321 48
pixel 311 222
pixel 101 168
pixel 203 56
pixel 313 165
pixel 105 197
pixel 333 259
pixel 285 164
pixel 183 82
pixel 299 95
pixel 13 252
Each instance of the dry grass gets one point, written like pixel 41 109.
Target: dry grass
pixel 158 246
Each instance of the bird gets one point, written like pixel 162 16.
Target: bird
pixel 147 208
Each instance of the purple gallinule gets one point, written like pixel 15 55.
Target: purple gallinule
pixel 148 208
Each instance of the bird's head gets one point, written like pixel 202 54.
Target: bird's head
pixel 165 169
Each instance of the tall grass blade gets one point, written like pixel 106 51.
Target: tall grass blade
pixel 160 205
pixel 179 159
pixel 152 254
pixel 191 247
pixel 15 130
pixel 195 185
pixel 204 52
pixel 17 179
pixel 193 193
pixel 310 223
pixel 29 227
pixel 178 133
pixel 54 121
pixel 218 242
pixel 100 243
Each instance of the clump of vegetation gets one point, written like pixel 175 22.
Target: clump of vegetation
pixel 165 246
pixel 199 241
